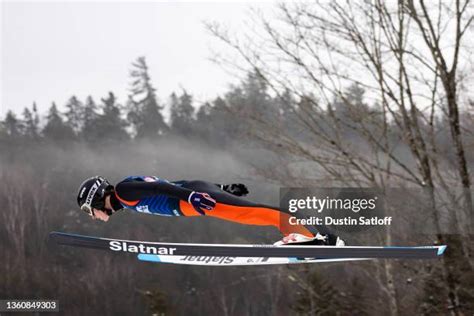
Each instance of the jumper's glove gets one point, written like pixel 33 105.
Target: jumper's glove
pixel 201 201
pixel 237 189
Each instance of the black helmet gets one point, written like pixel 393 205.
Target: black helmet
pixel 92 193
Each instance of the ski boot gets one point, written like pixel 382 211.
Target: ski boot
pixel 295 239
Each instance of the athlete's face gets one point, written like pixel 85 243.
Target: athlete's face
pixel 99 214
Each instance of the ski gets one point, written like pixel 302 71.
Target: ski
pixel 236 261
pixel 239 250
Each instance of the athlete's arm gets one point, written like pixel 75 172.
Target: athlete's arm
pixel 136 190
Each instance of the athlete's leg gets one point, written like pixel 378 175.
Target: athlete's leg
pixel 235 209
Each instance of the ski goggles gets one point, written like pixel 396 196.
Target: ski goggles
pixel 88 209
pixel 99 205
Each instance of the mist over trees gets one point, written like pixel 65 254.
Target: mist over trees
pixel 377 101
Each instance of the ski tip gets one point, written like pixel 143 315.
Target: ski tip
pixel 59 234
pixel 441 250
pixel 54 234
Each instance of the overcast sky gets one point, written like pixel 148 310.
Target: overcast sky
pixel 52 50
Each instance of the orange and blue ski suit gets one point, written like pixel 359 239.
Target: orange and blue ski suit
pixel 152 195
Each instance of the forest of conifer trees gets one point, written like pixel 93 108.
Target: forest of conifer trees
pixel 45 156
pixel 268 132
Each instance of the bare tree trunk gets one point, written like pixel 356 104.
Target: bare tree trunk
pixel 388 267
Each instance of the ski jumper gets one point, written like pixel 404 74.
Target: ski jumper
pixel 152 195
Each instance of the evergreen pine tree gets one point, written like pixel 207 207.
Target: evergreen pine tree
pixel 91 122
pixel 202 127
pixel 216 124
pixel 30 121
pixel 56 129
pixel 257 100
pixel 145 112
pixel 182 112
pixel 13 127
pixel 75 114
pixel 110 124
pixel 36 120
